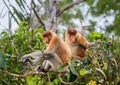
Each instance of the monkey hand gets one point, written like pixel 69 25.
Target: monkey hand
pixel 98 43
pixel 25 58
pixel 41 70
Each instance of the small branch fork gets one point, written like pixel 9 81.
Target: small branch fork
pixel 53 12
pixel 23 75
pixel 19 75
pixel 68 6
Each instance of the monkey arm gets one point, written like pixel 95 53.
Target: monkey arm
pixel 52 61
pixel 91 44
pixel 49 54
pixel 40 57
pixel 53 58
pixel 37 55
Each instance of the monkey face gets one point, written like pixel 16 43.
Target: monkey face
pixel 46 36
pixel 72 35
pixel 46 40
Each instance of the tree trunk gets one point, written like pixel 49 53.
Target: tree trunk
pixel 53 8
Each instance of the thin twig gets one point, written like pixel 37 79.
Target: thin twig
pixel 30 15
pixel 64 82
pixel 19 75
pixel 26 74
pixel 39 19
pixel 69 6
pixel 46 10
pixel 32 49
pixel 48 77
pixel 10 11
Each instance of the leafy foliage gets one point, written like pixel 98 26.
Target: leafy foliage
pixel 28 38
pixel 13 46
pixel 25 40
pixel 106 9
pixel 95 35
pixel 2 61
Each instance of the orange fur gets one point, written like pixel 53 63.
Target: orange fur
pixel 57 45
pixel 79 46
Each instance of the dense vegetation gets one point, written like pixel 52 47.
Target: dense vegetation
pixel 27 38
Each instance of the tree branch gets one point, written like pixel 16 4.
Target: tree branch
pixel 68 6
pixel 64 82
pixel 41 3
pixel 39 19
pixel 23 75
pixel 19 75
pixel 53 8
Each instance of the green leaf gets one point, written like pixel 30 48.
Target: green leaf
pixel 95 35
pixel 83 72
pixel 2 60
pixel 62 66
pixel 55 82
pixel 23 25
pixel 73 70
pixel 31 80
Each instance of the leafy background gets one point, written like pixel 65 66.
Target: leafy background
pixel 27 38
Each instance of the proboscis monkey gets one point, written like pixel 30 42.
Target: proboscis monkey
pixel 59 47
pixel 77 43
pixel 57 52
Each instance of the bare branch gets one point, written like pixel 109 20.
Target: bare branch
pixel 53 8
pixel 11 12
pixel 100 71
pixel 23 75
pixel 32 49
pixel 19 75
pixel 69 6
pixel 43 5
pixel 39 19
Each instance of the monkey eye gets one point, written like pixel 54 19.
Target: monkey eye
pixel 72 33
pixel 44 35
